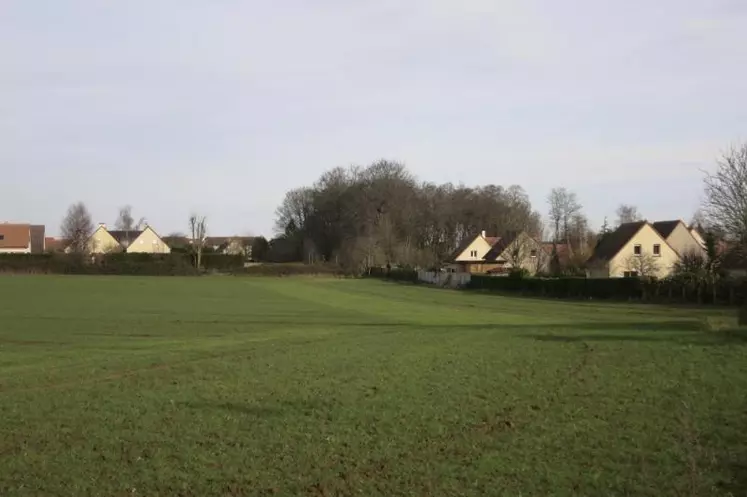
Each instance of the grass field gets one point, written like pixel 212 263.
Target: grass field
pixel 257 386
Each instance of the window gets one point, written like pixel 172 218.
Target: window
pixel 473 253
pixel 657 250
pixel 637 250
pixel 533 253
pixel 2 237
pixel 630 274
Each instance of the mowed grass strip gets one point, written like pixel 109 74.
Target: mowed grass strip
pixel 301 386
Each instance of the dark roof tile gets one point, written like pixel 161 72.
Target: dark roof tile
pixel 665 228
pixel 611 244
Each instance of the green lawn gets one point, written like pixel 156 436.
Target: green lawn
pixel 117 386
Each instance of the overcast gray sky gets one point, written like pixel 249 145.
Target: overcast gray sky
pixel 220 106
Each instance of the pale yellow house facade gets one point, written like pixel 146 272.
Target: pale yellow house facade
pixel 634 249
pixel 102 242
pixel 146 241
pixel 484 254
pixel 681 238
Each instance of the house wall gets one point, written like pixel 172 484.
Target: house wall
pixel 101 242
pixel 683 241
pixel 479 244
pixel 647 237
pixel 26 250
pixel 526 244
pixel 698 238
pixel 478 267
pixel 148 243
pixel 598 271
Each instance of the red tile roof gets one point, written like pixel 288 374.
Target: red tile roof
pixel 15 236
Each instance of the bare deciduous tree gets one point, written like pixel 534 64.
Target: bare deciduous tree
pixel 564 206
pixel 645 265
pixel 627 214
pixel 524 252
pixel 126 222
pixel 198 232
pixel 77 228
pixel 725 204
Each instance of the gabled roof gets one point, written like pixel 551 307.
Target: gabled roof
pixel 125 237
pixel 216 241
pixel 563 249
pixel 500 245
pixel 52 244
pixel 665 228
pixel 15 236
pixel 612 243
pixel 468 241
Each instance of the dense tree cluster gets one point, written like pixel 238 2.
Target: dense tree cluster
pixel 381 214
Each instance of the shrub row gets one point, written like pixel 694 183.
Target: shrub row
pixel 670 290
pixel 222 262
pixel 406 275
pixel 175 264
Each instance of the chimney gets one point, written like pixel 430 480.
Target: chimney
pixel 483 233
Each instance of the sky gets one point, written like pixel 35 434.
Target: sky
pixel 221 106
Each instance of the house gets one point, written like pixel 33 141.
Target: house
pixel 680 237
pixel 696 233
pixel 21 238
pixel 633 249
pixel 52 244
pixel 498 255
pixel 104 241
pixel 230 245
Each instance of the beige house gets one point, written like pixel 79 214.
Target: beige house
pixel 21 238
pixel 499 255
pixel 681 238
pixel 145 241
pixel 633 249
pixel 230 245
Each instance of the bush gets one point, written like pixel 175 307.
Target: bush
pixel 399 274
pixel 223 262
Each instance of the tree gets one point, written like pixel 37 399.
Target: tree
pixel 645 265
pixel 725 205
pixel 198 231
pixel 126 222
pixel 563 206
pixel 260 248
pixel 627 214
pixel 77 228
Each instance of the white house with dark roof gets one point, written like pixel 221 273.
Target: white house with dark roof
pixel 657 247
pixel 147 241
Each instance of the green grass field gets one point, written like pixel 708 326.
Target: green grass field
pixel 117 386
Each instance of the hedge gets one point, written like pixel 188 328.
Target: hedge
pixel 120 263
pixel 399 274
pixel 222 262
pixel 725 291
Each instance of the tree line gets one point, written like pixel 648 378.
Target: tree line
pixel 379 215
